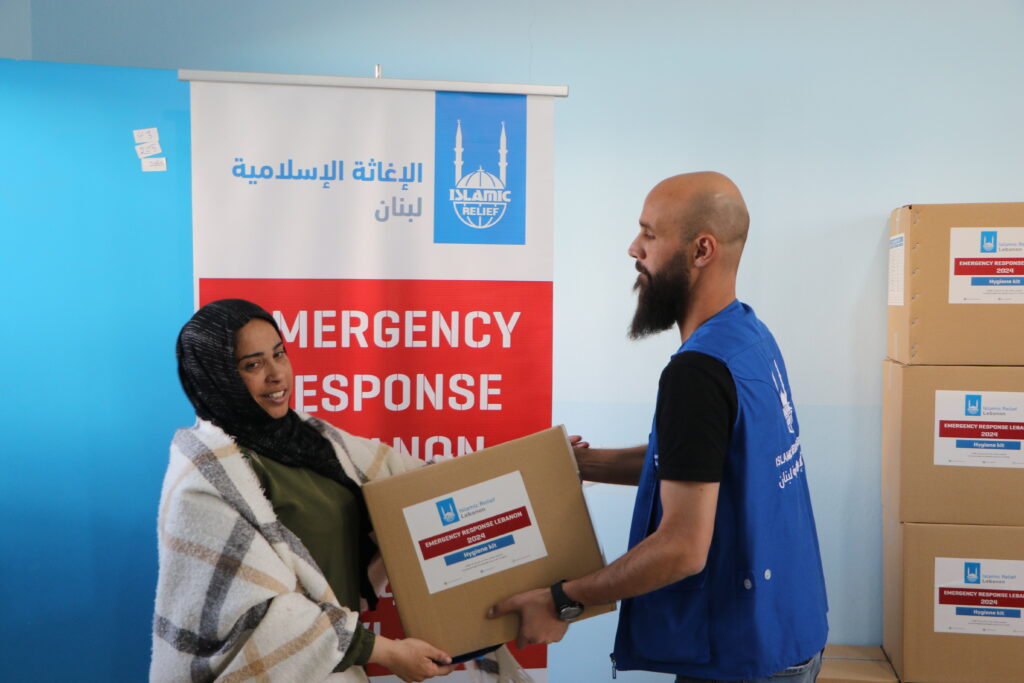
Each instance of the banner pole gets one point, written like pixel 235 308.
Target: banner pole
pixel 385 83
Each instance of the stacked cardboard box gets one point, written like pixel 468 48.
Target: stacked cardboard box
pixel 953 444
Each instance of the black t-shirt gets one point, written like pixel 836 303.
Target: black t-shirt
pixel 696 411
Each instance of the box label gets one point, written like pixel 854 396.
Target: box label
pixel 986 265
pixel 979 428
pixel 984 597
pixel 474 532
pixel 897 254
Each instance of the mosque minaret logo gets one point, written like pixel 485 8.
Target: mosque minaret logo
pixel 480 198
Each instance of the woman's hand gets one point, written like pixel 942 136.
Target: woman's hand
pixel 411 659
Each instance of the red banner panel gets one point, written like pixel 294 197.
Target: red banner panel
pixel 429 367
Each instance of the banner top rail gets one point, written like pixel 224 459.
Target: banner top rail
pixel 383 83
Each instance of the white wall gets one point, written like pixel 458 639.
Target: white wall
pixel 16 29
pixel 826 114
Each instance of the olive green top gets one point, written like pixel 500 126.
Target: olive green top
pixel 325 516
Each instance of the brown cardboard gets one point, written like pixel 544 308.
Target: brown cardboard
pixel 453 618
pixel 917 651
pixel 914 488
pixel 855 664
pixel 892 590
pixel 929 330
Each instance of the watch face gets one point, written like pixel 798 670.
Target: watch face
pixel 570 612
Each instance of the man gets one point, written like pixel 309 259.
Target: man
pixel 722 579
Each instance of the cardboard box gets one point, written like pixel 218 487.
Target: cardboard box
pixel 954 597
pixel 854 664
pixel 956 284
pixel 953 444
pixel 462 535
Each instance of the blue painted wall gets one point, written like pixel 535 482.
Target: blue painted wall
pixel 827 115
pixel 96 280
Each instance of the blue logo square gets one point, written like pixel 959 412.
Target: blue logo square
pixel 447 511
pixel 972 405
pixel 479 168
pixel 989 241
pixel 972 572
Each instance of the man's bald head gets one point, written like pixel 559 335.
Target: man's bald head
pixel 703 202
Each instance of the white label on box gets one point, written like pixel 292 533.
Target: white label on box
pixel 897 254
pixel 979 428
pixel 474 532
pixel 986 266
pixel 985 597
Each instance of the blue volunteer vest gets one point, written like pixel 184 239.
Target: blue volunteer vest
pixel 759 605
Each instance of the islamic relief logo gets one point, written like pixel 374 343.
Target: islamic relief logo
pixel 479 198
pixel 479 168
pixel 446 510
pixel 787 407
pixel 972 404
pixel 989 242
pixel 972 572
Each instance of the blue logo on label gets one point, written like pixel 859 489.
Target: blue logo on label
pixel 479 168
pixel 972 572
pixel 446 509
pixel 989 241
pixel 972 404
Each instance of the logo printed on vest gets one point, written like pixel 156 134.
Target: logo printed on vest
pixel 787 407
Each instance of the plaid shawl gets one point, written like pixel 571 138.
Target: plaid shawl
pixel 238 596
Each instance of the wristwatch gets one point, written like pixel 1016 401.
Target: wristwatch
pixel 566 608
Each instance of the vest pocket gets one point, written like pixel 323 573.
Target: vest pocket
pixel 671 623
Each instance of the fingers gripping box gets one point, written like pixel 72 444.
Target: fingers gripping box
pixel 462 535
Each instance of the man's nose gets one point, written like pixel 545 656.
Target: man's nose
pixel 634 249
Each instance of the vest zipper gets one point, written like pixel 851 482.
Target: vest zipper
pixel 612 656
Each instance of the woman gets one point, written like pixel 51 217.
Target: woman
pixel 263 532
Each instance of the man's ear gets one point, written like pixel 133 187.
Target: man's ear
pixel 705 247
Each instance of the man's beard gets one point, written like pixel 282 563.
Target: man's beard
pixel 663 298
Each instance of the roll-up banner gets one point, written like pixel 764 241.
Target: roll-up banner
pixel 400 232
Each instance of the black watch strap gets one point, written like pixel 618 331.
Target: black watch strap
pixel 566 608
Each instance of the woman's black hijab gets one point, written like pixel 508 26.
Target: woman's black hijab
pixel 209 375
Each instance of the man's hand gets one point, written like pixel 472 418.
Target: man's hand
pixel 608 465
pixel 538 622
pixel 576 441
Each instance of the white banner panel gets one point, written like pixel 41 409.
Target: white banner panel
pixel 348 183
pixel 402 238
